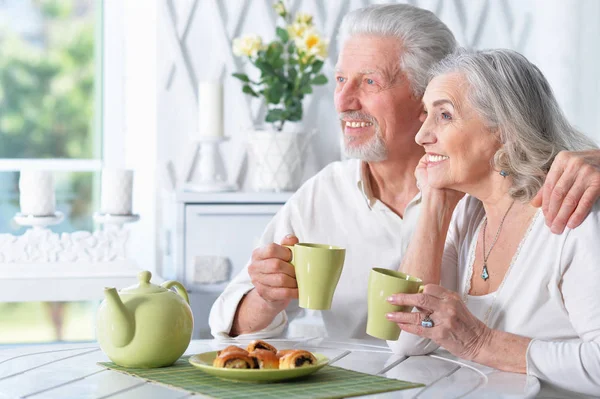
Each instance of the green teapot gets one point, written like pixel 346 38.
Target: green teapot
pixel 145 325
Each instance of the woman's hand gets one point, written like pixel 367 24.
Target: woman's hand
pixel 454 326
pixel 452 197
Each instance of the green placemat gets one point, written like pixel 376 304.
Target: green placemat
pixel 329 382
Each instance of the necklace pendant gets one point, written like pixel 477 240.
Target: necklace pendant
pixel 484 274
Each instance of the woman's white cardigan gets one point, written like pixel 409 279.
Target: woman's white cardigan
pixel 551 293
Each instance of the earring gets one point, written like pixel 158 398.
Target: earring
pixel 504 173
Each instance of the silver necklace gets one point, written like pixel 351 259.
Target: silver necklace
pixel 484 273
pixel 471 261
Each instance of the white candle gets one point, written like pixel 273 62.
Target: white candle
pixel 210 109
pixel 116 191
pixel 36 188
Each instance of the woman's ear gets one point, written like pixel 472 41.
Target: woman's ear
pixel 497 133
pixel 500 160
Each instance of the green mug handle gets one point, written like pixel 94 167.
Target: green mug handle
pixel 291 247
pixel 421 288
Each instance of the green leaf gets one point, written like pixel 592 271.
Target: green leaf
pixel 265 67
pixel 295 116
pixel 274 52
pixel 248 90
pixel 283 34
pixel 304 81
pixel 274 93
pixel 275 115
pixel 306 89
pixel 292 75
pixel 291 48
pixel 319 80
pixel 241 76
pixel 316 66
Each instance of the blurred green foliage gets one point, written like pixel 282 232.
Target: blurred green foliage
pixel 47 84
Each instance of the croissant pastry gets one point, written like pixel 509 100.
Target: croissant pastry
pixel 258 344
pixel 265 359
pixel 232 348
pixel 297 358
pixel 234 360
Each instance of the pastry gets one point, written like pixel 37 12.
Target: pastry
pixel 283 352
pixel 258 344
pixel 265 359
pixel 232 348
pixel 297 358
pixel 234 360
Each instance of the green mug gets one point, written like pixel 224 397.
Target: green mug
pixel 318 269
pixel 382 284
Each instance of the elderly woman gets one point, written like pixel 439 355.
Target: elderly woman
pixel 513 296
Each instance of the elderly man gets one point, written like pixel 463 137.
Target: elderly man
pixel 370 204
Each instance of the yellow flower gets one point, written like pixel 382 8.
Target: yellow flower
pixel 304 19
pixel 311 43
pixel 296 30
pixel 247 45
pixel 280 8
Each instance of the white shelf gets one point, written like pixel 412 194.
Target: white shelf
pixel 63 281
pixel 237 197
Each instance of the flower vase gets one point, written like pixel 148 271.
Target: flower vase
pixel 278 159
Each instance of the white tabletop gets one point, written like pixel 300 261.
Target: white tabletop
pixel 70 371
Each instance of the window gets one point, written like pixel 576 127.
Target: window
pixel 51 117
pixel 51 104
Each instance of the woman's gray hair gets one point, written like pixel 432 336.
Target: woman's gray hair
pixel 516 101
pixel 424 38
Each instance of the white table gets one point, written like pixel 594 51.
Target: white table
pixel 70 371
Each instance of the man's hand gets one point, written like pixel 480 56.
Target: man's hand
pixel 274 278
pixel 570 190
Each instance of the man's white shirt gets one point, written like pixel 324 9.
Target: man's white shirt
pixel 335 207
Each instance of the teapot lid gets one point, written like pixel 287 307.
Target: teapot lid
pixel 144 286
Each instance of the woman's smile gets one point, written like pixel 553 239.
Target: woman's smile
pixel 435 159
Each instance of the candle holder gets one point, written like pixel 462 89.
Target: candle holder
pixel 208 173
pixel 38 222
pixel 108 219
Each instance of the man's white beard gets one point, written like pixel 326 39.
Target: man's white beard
pixel 372 151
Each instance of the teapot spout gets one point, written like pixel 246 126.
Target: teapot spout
pixel 122 326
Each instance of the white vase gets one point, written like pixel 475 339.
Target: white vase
pixel 278 159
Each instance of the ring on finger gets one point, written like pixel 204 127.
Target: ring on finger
pixel 427 322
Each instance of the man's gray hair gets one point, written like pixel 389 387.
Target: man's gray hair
pixel 424 38
pixel 516 101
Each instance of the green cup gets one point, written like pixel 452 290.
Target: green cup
pixel 318 269
pixel 382 284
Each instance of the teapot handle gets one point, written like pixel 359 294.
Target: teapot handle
pixel 178 287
